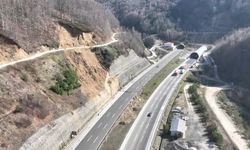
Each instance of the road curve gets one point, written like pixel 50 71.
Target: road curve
pixel 37 55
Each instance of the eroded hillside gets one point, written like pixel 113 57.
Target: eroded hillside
pixel 35 93
pixel 32 24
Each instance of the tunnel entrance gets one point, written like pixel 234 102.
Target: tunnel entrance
pixel 194 56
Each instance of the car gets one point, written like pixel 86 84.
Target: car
pixel 182 71
pixel 149 114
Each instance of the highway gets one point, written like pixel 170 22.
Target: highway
pixel 142 133
pixel 98 132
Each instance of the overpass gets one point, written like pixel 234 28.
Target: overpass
pixel 198 53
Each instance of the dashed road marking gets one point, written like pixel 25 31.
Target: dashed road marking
pixel 99 125
pixel 113 115
pixel 105 126
pixel 136 136
pixel 89 138
pixel 95 139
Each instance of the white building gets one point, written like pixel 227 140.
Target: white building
pixel 168 46
pixel 178 127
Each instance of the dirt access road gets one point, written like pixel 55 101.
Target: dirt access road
pixel 196 132
pixel 40 54
pixel 226 122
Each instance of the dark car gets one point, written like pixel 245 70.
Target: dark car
pixel 149 114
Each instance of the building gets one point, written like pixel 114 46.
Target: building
pixel 178 127
pixel 168 46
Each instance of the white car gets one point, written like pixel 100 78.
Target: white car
pixel 182 71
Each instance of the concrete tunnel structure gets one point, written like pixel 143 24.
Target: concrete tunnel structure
pixel 198 53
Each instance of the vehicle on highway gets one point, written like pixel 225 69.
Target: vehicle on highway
pixel 149 114
pixel 182 71
pixel 184 66
pixel 176 72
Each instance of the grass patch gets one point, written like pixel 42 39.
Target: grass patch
pixel 159 77
pixel 68 83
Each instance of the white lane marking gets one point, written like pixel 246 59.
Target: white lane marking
pixel 99 125
pixel 141 140
pixel 113 115
pixel 147 126
pixel 95 139
pixel 105 126
pixel 136 136
pixel 141 125
pixel 89 138
pixel 120 107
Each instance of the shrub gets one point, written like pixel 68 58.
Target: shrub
pixel 106 56
pixel 66 84
pixel 192 79
pixel 24 77
pixel 18 109
pixel 149 42
pixel 122 123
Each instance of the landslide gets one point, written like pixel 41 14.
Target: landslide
pixel 27 102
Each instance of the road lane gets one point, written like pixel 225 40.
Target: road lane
pixel 123 101
pixel 155 103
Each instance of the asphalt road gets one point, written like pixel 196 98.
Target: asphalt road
pixel 97 134
pixel 139 135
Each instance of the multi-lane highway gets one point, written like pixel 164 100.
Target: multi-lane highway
pixel 142 132
pixel 95 136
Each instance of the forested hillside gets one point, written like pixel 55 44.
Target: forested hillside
pixel 212 17
pixel 232 55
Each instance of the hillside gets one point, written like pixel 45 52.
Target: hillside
pixel 32 24
pixel 35 93
pixel 212 18
pixel 232 57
